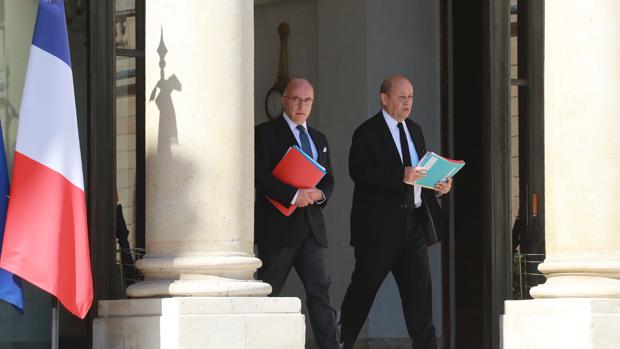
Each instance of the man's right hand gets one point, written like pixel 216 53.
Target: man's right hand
pixel 412 174
pixel 304 197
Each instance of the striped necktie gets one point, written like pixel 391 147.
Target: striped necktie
pixel 305 141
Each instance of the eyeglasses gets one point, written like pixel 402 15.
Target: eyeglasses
pixel 300 101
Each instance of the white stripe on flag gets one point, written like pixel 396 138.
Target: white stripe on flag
pixel 48 130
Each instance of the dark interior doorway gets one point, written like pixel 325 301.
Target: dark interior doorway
pixel 480 134
pixel 479 131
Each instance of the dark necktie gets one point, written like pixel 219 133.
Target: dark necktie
pixel 305 141
pixel 404 148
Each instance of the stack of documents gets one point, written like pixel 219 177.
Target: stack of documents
pixel 438 169
pixel 298 170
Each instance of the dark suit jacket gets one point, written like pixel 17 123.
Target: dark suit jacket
pixel 377 170
pixel 272 228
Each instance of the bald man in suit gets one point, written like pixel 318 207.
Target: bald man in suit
pixel 299 240
pixel 389 216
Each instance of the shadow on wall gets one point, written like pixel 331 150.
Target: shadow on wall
pixel 167 134
pixel 162 160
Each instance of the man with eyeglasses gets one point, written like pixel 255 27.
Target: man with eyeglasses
pixel 388 216
pixel 298 240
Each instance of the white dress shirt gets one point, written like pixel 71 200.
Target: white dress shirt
pixel 393 126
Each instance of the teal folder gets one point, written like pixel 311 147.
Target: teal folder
pixel 438 169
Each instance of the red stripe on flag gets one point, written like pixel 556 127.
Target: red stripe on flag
pixel 46 235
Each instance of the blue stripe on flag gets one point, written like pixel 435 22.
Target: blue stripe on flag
pixel 10 285
pixel 50 32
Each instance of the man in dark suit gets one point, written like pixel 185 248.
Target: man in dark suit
pixel 388 216
pixel 298 240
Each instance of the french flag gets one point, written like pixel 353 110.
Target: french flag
pixel 46 234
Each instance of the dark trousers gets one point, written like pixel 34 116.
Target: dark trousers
pixel 309 262
pixel 131 275
pixel 407 259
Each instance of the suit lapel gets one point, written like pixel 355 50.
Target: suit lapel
pixel 317 143
pixel 417 138
pixel 285 133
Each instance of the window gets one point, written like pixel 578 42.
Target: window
pixel 129 90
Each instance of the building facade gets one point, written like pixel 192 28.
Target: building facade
pixel 167 93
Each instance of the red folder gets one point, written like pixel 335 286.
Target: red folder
pixel 299 170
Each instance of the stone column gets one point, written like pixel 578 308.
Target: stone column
pixel 582 150
pixel 578 306
pixel 199 151
pixel 199 63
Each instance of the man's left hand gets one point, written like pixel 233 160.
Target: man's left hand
pixel 317 195
pixel 444 187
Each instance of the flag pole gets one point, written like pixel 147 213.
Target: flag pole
pixel 55 322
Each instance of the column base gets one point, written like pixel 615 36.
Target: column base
pixel 199 275
pixel 200 322
pixel 561 323
pixel 207 287
pixel 577 286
